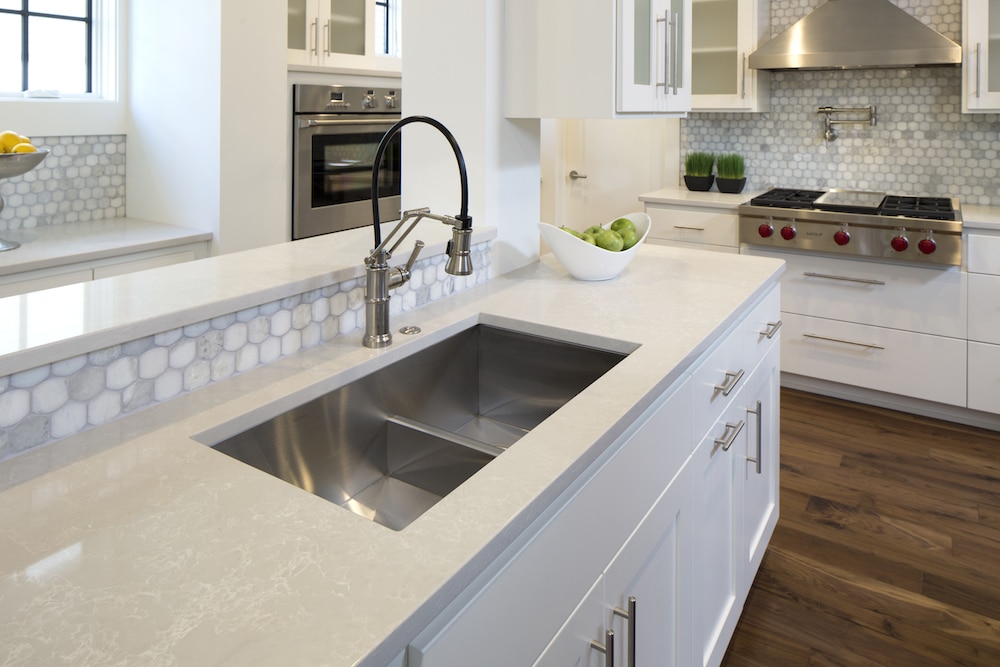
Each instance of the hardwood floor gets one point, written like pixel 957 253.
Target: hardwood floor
pixel 887 550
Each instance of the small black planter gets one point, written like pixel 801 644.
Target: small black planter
pixel 732 186
pixel 699 183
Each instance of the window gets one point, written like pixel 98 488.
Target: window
pixel 57 45
pixel 387 27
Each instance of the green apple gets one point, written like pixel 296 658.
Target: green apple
pixel 572 232
pixel 622 224
pixel 589 238
pixel 594 230
pixel 610 240
pixel 629 238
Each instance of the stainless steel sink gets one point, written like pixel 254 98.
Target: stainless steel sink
pixel 391 444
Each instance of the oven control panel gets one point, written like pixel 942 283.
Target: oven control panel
pixel 314 99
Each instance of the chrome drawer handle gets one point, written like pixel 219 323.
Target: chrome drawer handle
pixel 729 436
pixel 630 617
pixel 758 412
pixel 772 328
pixel 873 346
pixel 731 380
pixel 607 648
pixel 693 229
pixel 863 281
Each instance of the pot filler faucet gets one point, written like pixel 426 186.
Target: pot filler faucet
pixel 380 278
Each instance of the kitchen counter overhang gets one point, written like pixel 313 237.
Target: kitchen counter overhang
pixel 161 550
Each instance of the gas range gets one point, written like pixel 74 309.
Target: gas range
pixel 924 230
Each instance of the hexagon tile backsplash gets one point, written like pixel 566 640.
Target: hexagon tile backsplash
pixel 922 143
pixel 82 179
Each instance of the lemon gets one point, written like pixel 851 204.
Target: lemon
pixel 10 139
pixel 24 148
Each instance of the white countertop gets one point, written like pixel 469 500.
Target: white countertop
pixel 981 217
pixel 58 245
pixel 143 546
pixel 685 197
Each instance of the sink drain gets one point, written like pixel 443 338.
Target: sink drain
pixel 410 330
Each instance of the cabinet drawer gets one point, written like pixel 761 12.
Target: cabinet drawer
pixel 984 377
pixel 984 253
pixel 693 226
pixel 984 308
pixel 920 299
pixel 44 280
pixel 761 327
pixel 716 381
pixel 899 362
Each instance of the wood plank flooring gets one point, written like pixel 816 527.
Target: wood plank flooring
pixel 887 550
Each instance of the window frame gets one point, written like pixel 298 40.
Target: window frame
pixel 26 14
pixel 103 110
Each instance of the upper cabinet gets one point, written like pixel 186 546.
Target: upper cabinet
pixel 353 34
pixel 724 34
pixel 597 58
pixel 981 57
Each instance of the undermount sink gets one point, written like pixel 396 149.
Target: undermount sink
pixel 391 444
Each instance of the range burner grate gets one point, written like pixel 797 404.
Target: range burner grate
pixel 787 198
pixel 929 208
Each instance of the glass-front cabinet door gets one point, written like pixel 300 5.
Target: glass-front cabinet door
pixel 654 67
pixel 981 60
pixel 723 35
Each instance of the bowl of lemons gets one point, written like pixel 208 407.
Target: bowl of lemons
pixel 600 252
pixel 18 155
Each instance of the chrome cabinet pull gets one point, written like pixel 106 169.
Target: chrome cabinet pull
pixel 630 617
pixel 731 380
pixel 676 51
pixel 729 436
pixel 666 50
pixel 315 37
pixel 327 35
pixel 743 79
pixel 693 229
pixel 758 412
pixel 772 328
pixel 864 281
pixel 979 65
pixel 873 346
pixel 607 648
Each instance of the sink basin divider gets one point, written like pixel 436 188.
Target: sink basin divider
pixel 455 438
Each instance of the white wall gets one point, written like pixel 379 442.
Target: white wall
pixel 207 135
pixel 453 72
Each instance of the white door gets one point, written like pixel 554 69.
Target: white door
pixel 615 161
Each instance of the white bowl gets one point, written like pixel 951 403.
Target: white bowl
pixel 589 262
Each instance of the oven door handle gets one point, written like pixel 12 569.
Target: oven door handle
pixel 316 122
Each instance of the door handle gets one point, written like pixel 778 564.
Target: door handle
pixel 575 175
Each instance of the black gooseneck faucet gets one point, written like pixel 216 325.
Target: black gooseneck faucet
pixel 381 278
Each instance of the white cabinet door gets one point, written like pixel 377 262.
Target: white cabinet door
pixel 597 59
pixel 716 519
pixel 724 34
pixel 653 568
pixel 303 32
pixel 762 399
pixel 981 58
pixel 984 377
pixel 571 647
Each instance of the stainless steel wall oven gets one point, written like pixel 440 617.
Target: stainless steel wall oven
pixel 336 130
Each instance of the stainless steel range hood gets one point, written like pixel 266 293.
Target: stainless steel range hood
pixel 857 34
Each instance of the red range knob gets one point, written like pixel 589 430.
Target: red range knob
pixel 841 237
pixel 927 246
pixel 765 231
pixel 788 233
pixel 899 243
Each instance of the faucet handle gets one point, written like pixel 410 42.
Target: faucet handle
pixel 417 247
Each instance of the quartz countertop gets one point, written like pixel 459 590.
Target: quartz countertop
pixel 58 245
pixel 685 197
pixel 133 543
pixel 981 217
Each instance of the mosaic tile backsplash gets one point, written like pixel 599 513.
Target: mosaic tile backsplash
pixel 921 145
pixel 57 400
pixel 82 179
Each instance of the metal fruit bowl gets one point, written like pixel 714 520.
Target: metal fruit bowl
pixel 15 164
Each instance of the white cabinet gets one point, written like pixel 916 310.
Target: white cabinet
pixel 79 272
pixel 708 221
pixel 338 33
pixel 597 59
pixel 984 322
pixel 981 57
pixel 724 34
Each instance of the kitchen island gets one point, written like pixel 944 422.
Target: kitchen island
pixel 155 549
